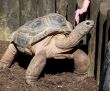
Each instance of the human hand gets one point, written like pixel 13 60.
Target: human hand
pixel 82 10
pixel 78 13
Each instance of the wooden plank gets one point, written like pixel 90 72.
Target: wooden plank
pixel 27 10
pixel 107 36
pixel 100 45
pixel 94 10
pixel 107 28
pixel 83 17
pixel 9 17
pixel 40 8
pixel 45 6
pixel 105 74
pixel 57 5
pixel 1 7
pixel 71 11
pixel 50 6
pixel 79 3
pixel 105 66
pixel 101 39
pixel 62 7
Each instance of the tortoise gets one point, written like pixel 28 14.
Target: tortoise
pixel 37 29
pixel 59 44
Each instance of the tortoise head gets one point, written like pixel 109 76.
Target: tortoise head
pixel 76 35
pixel 85 26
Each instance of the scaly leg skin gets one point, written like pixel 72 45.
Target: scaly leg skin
pixel 8 57
pixel 82 63
pixel 35 68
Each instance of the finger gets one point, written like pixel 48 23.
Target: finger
pixel 77 13
pixel 77 20
pixel 77 16
pixel 81 11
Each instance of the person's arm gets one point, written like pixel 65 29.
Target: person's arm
pixel 82 10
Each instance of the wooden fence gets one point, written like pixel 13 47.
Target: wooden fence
pixel 14 13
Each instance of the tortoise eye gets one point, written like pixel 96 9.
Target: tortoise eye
pixel 88 23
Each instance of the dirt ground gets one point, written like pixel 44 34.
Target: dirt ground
pixel 56 76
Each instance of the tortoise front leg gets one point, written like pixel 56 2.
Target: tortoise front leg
pixel 35 68
pixel 8 56
pixel 81 63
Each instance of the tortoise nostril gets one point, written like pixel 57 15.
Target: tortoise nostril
pixel 88 23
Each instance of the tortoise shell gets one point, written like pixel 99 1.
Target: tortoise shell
pixel 39 28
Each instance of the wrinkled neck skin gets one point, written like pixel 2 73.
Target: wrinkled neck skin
pixel 72 39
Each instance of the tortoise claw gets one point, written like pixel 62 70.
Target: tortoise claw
pixel 80 77
pixel 30 80
pixel 31 83
pixel 3 65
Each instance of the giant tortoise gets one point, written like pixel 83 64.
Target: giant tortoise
pixel 50 36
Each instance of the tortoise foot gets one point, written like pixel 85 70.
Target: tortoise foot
pixel 30 80
pixel 78 77
pixel 31 83
pixel 3 65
